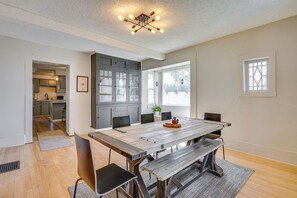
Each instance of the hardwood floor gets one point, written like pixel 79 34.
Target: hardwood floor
pixel 43 123
pixel 50 173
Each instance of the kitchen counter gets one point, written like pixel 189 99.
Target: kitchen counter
pixel 58 101
pixel 53 101
pixel 56 109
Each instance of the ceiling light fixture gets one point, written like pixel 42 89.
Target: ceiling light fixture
pixel 142 21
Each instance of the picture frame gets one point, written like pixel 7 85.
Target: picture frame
pixel 82 83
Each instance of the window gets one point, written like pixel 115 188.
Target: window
pixel 151 88
pixel 258 75
pixel 176 87
pixel 169 85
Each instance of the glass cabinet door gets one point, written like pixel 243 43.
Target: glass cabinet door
pixel 105 86
pixel 134 87
pixel 121 87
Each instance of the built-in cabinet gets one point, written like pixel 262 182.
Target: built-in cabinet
pixel 61 84
pixel 116 90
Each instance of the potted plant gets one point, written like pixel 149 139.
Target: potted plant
pixel 157 110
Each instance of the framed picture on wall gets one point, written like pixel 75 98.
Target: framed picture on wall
pixel 82 83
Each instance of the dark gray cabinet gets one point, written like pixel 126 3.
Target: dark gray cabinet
pixel 36 108
pixel 61 84
pixel 56 110
pixel 134 113
pixel 115 89
pixel 104 116
pixel 45 107
pixel 35 85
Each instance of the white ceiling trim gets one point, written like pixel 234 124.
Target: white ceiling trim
pixel 33 19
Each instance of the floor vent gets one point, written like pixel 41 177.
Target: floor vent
pixel 9 166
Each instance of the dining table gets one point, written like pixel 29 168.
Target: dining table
pixel 137 142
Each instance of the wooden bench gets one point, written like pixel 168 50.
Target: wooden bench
pixel 166 167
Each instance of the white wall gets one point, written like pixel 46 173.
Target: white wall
pixel 14 55
pixel 264 126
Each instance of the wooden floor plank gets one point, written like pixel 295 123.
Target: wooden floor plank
pixel 49 174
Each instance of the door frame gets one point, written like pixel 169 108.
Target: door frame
pixel 28 95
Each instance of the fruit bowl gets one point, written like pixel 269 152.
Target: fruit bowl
pixel 169 125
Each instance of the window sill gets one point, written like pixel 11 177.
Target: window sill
pixel 168 105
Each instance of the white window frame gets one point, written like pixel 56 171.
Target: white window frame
pixel 271 75
pixel 160 87
pixel 154 88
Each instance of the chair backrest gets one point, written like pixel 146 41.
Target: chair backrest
pixel 166 116
pixel 146 118
pixel 85 168
pixel 213 117
pixel 121 121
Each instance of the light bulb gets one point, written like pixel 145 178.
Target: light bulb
pixel 132 32
pixel 121 18
pixel 158 17
pixel 153 31
pixel 162 31
pixel 131 16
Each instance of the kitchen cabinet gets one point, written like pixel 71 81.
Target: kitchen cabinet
pixel 35 85
pixel 43 82
pixel 61 86
pixel 47 83
pixel 115 89
pixel 44 106
pixel 36 108
pixel 52 83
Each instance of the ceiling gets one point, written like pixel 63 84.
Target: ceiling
pixel 92 25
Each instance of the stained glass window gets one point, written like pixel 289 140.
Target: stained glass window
pixel 256 74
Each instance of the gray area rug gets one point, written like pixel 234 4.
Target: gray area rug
pixel 50 140
pixel 207 186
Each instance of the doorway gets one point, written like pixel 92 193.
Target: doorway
pixel 49 97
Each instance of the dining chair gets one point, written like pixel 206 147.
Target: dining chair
pixel 147 118
pixel 118 122
pixel 102 180
pixel 216 134
pixel 166 116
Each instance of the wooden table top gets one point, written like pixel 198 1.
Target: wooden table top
pixel 137 141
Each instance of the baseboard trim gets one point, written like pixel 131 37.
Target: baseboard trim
pixel 282 156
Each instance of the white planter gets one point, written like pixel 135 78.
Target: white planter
pixel 157 113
